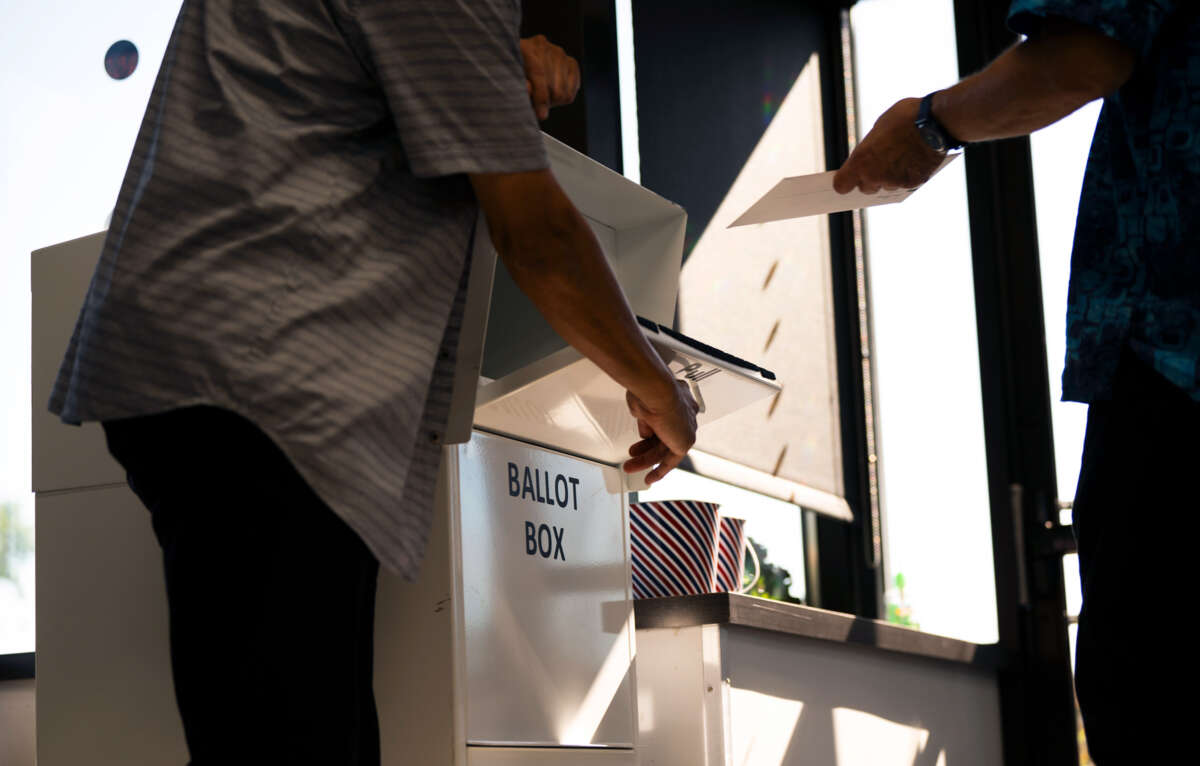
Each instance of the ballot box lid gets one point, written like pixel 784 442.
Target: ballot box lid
pixel 565 402
pixel 641 235
pixel 517 377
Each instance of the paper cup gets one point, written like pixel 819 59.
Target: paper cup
pixel 731 556
pixel 674 547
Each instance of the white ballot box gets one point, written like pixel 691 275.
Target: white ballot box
pixel 516 644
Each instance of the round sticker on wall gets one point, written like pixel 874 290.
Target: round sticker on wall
pixel 121 59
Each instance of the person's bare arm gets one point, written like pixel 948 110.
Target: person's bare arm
pixel 554 258
pixel 1033 84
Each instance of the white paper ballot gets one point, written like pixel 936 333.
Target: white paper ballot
pixel 801 196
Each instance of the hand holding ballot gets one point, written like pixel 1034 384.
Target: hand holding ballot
pixel 892 156
pixel 886 167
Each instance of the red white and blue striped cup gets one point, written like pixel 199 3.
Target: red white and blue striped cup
pixel 674 547
pixel 731 556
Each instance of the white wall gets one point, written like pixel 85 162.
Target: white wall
pixel 17 732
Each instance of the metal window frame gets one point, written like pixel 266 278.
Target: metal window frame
pixel 1028 542
pixel 1037 702
pixel 850 567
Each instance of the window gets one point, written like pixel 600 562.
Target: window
pixel 721 119
pixel 1059 157
pixel 66 135
pixel 933 482
pixel 1074 604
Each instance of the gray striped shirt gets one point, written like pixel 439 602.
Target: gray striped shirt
pixel 291 238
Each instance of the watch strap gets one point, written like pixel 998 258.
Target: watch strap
pixel 927 122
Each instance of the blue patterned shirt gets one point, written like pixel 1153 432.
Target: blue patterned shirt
pixel 1135 268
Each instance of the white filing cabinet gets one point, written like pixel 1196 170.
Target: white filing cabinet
pixel 104 690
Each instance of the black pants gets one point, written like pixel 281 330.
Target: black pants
pixel 1135 517
pixel 271 596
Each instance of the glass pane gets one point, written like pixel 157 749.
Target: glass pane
pixel 722 117
pixel 1084 758
pixel 1074 587
pixel 773 524
pixel 1059 157
pixel 72 110
pixel 933 472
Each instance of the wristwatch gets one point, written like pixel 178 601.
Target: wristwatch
pixel 932 132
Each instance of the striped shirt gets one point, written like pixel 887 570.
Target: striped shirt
pixel 292 236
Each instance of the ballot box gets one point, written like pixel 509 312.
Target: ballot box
pixel 516 643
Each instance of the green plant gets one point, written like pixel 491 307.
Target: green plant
pixel 16 540
pixel 899 611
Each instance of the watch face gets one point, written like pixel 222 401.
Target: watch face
pixel 932 136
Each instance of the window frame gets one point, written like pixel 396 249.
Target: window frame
pixel 1037 703
pixel 850 568
pixel 1028 538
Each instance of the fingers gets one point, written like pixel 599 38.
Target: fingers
pixel 569 83
pixel 540 95
pixel 655 454
pixel 905 172
pixel 846 178
pixel 639 448
pixel 562 76
pixel 552 76
pixel 644 429
pixel 666 436
pixel 891 156
pixel 859 172
pixel 665 467
pixel 534 56
pixel 637 409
